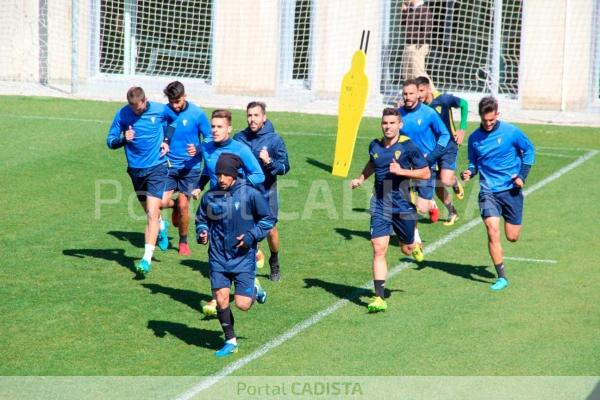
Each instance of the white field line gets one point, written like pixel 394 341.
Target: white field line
pixel 533 260
pixel 543 153
pixel 309 322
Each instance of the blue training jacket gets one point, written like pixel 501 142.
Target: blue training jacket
pixel 424 127
pixel 212 150
pixel 225 215
pixel 267 137
pixel 498 156
pixel 144 150
pixel 191 125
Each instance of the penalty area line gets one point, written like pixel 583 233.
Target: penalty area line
pixel 309 322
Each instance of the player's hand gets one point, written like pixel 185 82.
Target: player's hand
pixel 465 175
pixel 203 237
pixel 196 193
pixel 129 134
pixel 191 150
pixel 264 155
pixel 395 167
pixel 354 183
pixel 240 241
pixel 518 181
pixel 459 136
pixel 164 149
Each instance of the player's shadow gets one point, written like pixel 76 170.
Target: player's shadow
pixel 191 336
pixel 137 239
pixel 475 273
pixel 319 164
pixel 190 298
pixel 196 265
pixel 351 293
pixel 349 234
pixel 595 395
pixel 117 255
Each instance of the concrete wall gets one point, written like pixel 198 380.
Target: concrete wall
pixel 340 25
pixel 557 54
pixel 245 57
pixel 19 41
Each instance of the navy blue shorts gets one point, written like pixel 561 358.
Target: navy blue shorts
pixel 448 159
pixel 149 181
pixel 244 282
pixel 273 199
pixel 507 204
pixel 183 180
pixel 425 188
pixel 403 224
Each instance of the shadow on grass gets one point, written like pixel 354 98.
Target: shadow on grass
pixel 319 164
pixel 190 298
pixel 200 266
pixel 350 293
pixel 473 273
pixel 192 336
pixel 137 239
pixel 117 255
pixel 349 234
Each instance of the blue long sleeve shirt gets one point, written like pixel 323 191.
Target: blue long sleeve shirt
pixel 226 215
pixel 425 128
pixel 498 156
pixel 149 127
pixel 267 137
pixel 191 125
pixel 251 170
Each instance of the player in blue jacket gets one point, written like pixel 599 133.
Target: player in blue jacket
pixel 232 219
pixel 502 155
pixel 222 143
pixel 139 127
pixel 190 128
pixel 427 130
pixel 395 160
pixel 443 104
pixel 270 151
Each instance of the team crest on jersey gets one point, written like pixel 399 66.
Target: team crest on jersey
pixel 153 119
pixel 419 121
pixel 375 156
pixel 185 122
pixel 499 140
pixel 397 154
pixel 236 205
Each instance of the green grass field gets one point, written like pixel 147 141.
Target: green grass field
pixel 70 304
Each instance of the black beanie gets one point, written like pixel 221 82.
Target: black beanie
pixel 228 164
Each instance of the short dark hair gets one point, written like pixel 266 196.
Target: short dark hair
pixel 260 104
pixel 422 80
pixel 174 90
pixel 391 111
pixel 488 104
pixel 409 82
pixel 135 94
pixel 220 113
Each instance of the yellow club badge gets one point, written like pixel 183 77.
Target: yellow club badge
pixel 397 154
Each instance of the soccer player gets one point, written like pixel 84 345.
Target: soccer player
pixel 232 218
pixel 426 129
pixel 502 155
pixel 395 160
pixel 139 128
pixel 223 143
pixel 191 127
pixel 269 149
pixel 443 104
